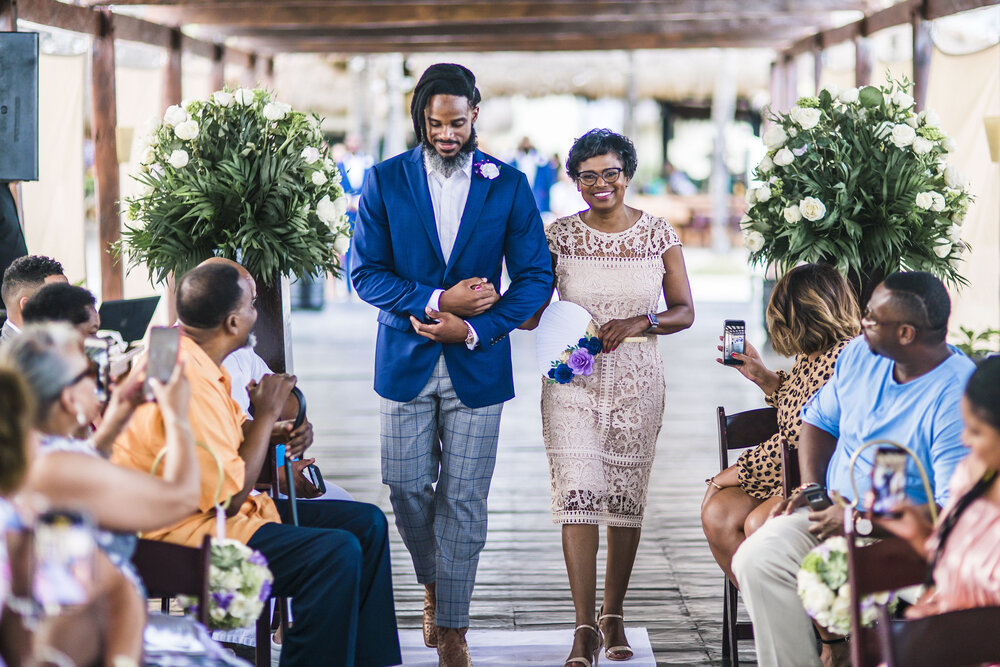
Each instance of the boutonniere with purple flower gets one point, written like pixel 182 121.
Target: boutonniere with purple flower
pixel 486 169
pixel 576 359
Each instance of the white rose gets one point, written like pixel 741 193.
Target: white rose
pixel 784 157
pixel 833 90
pixel 955 233
pixel 792 214
pixel 766 165
pixel 958 218
pixel 949 144
pixel 806 118
pixel 954 178
pixel 273 112
pixel 217 614
pixel 222 98
pixel 148 156
pixel 489 171
pixel 775 137
pixel 318 178
pixel 922 146
pixel 817 597
pixel 342 244
pixel 174 115
pixel 340 206
pixel 310 154
pixel 943 249
pixel 902 135
pixel 792 132
pixel 187 130
pixel 243 96
pixel 924 200
pixel 902 100
pixel 326 210
pixel 812 209
pixel 930 118
pixel 751 197
pixel 938 204
pixel 178 159
pixel 848 95
pixel 753 240
pixel 913 121
pixel 763 193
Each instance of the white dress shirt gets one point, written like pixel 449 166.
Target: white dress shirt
pixel 448 197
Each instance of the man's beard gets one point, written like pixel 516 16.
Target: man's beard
pixel 251 342
pixel 449 165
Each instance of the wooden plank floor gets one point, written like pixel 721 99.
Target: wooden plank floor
pixel 676 589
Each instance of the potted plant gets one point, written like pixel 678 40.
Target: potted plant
pixel 856 178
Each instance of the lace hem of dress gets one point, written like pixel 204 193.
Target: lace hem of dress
pixel 599 518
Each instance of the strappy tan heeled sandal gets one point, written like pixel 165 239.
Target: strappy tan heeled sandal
pixel 616 653
pixel 592 660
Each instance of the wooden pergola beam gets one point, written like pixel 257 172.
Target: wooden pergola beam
pixel 487 6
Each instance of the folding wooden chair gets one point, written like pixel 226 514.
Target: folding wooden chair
pixel 953 639
pixel 739 431
pixel 169 570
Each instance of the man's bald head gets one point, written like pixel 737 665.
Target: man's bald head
pixel 207 294
pixel 244 274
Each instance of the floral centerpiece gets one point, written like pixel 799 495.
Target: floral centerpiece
pixel 825 593
pixel 242 176
pixel 239 584
pixel 576 359
pixel 858 179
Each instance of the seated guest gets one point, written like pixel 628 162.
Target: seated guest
pixel 899 381
pixel 812 314
pixel 25 276
pixel 964 547
pixel 335 565
pixel 63 303
pixel 70 473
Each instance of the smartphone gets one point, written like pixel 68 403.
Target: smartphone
pixel 64 560
pixel 733 337
pixel 888 481
pixel 316 477
pixel 163 345
pixel 98 350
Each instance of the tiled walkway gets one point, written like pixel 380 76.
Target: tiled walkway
pixel 676 586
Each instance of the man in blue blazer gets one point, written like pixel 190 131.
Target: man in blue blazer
pixel 434 227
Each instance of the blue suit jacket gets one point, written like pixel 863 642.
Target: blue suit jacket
pixel 399 263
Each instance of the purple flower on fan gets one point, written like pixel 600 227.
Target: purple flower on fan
pixel 222 599
pixel 257 558
pixel 563 374
pixel 265 591
pixel 581 362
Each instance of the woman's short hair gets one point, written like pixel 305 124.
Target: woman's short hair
pixel 15 425
pixel 812 308
pixel 983 391
pixel 601 142
pixel 39 354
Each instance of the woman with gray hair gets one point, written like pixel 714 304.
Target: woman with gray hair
pixel 73 472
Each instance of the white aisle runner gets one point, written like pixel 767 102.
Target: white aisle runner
pixel 519 648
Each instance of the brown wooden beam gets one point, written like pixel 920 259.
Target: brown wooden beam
pixel 923 47
pixel 106 153
pixel 172 93
pixel 217 78
pixel 8 15
pixel 864 61
pixel 343 6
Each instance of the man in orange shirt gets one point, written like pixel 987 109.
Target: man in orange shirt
pixel 335 565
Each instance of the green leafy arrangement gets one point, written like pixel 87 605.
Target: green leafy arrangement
pixel 978 344
pixel 857 179
pixel 241 176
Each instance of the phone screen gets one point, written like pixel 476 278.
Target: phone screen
pixel 98 350
pixel 733 336
pixel 163 345
pixel 888 480
pixel 64 560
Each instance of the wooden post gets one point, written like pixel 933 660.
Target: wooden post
pixel 922 49
pixel 106 153
pixel 218 75
pixel 817 64
pixel 8 15
pixel 274 325
pixel 249 79
pixel 172 93
pixel 864 61
pixel 791 87
pixel 266 77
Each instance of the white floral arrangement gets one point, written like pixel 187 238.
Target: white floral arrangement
pixel 826 594
pixel 239 175
pixel 239 585
pixel 858 179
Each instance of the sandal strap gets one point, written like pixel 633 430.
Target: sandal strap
pixel 604 616
pixel 592 628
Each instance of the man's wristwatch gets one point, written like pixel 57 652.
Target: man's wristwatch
pixel 815 494
pixel 654 321
pixel 470 337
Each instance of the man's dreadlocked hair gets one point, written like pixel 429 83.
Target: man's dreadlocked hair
pixel 441 79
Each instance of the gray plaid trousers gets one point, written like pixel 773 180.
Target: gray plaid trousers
pixel 437 438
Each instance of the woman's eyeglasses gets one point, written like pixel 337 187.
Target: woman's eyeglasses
pixel 609 175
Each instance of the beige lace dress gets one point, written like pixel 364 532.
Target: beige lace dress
pixel 600 430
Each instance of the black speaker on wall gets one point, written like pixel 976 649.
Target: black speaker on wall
pixel 18 106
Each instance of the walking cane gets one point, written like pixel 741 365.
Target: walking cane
pixel 289 480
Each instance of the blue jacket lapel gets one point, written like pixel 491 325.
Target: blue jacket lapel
pixel 478 189
pixel 416 178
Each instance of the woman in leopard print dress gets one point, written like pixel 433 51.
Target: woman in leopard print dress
pixel 812 314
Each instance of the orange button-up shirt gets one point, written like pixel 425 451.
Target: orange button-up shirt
pixel 217 421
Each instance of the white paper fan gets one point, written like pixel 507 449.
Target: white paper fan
pixel 563 324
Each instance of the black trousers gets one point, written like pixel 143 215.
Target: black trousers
pixel 335 567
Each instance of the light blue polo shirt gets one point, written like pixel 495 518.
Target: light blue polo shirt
pixel 862 402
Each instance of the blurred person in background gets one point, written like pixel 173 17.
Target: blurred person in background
pixel 63 302
pixel 25 276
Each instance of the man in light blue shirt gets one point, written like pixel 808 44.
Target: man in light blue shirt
pixel 901 382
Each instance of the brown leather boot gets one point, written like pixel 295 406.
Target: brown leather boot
pixel 430 603
pixel 453 651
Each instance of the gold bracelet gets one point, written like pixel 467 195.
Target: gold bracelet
pixel 711 482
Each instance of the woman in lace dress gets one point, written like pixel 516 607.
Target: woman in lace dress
pixel 600 430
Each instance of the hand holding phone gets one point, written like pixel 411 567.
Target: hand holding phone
pixel 164 343
pixel 733 340
pixel 888 481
